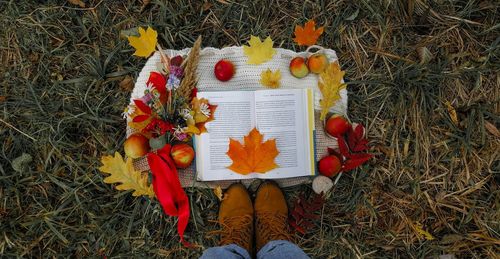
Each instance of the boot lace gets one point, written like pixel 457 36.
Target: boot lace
pixel 273 226
pixel 236 230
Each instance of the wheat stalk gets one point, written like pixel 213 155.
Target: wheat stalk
pixel 190 66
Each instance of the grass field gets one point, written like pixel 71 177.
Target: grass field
pixel 63 87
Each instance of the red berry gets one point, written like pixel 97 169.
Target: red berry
pixel 329 166
pixel 224 70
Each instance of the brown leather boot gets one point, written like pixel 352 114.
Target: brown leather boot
pixel 236 217
pixel 271 214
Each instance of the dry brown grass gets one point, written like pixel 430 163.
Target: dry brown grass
pixel 61 102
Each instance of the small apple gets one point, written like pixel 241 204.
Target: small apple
pixel 224 70
pixel 317 63
pixel 329 165
pixel 136 146
pixel 336 125
pixel 176 61
pixel 182 154
pixel 298 67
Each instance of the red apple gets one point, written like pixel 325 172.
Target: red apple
pixel 182 154
pixel 176 61
pixel 317 63
pixel 298 67
pixel 136 146
pixel 329 165
pixel 224 70
pixel 337 125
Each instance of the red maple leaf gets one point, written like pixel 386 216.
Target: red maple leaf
pixel 349 150
pixel 304 213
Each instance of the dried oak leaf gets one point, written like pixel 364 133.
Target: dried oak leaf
pixel 259 51
pixel 254 156
pixel 125 176
pixel 145 44
pixel 330 84
pixel 307 35
pixel 127 84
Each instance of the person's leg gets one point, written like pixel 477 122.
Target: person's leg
pixel 229 251
pixel 281 249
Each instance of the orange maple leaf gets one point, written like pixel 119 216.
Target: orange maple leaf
pixel 253 156
pixel 307 35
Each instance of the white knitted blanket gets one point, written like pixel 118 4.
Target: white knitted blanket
pixel 247 77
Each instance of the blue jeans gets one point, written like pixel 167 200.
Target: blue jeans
pixel 273 249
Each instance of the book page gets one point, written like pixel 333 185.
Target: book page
pixel 234 118
pixel 282 115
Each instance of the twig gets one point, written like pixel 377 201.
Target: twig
pixel 18 130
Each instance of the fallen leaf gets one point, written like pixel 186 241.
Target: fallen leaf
pixel 206 6
pixel 418 228
pixel 270 79
pixel 349 149
pixel 145 44
pixel 424 54
pixel 452 112
pixel 127 84
pixel 492 129
pixel 77 2
pixel 145 3
pixel 254 155
pixel 307 35
pixel 125 176
pixel 305 212
pixel 330 84
pixel 259 51
pixel 3 98
pixel 218 192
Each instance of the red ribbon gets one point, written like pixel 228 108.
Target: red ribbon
pixel 168 189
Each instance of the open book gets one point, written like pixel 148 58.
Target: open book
pixel 285 115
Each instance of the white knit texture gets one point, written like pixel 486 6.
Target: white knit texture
pixel 247 77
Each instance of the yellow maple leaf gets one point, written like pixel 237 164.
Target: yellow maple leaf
pixel 254 155
pixel 307 35
pixel 330 84
pixel 125 176
pixel 145 44
pixel 259 51
pixel 270 79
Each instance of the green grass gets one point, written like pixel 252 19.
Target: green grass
pixel 60 102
